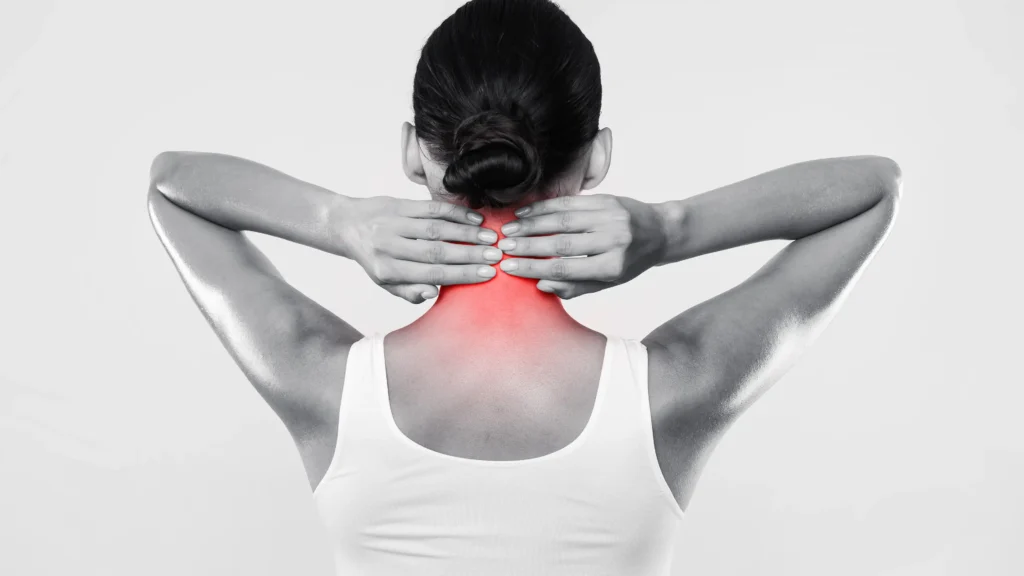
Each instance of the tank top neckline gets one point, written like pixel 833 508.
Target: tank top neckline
pixel 380 390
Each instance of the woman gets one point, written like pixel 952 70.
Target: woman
pixel 496 434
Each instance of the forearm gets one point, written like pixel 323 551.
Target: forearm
pixel 243 195
pixel 784 204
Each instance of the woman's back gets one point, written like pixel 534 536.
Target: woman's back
pixel 498 483
pixel 531 399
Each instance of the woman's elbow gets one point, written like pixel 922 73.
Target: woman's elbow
pixel 162 167
pixel 888 174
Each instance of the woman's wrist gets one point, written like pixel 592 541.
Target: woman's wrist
pixel 787 203
pixel 671 217
pixel 336 218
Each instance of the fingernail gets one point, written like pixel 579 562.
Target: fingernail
pixel 509 265
pixel 544 288
pixel 522 211
pixel 510 228
pixel 488 235
pixel 492 254
pixel 507 244
pixel 427 294
pixel 474 217
pixel 486 271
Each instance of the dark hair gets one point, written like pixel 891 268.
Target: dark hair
pixel 508 94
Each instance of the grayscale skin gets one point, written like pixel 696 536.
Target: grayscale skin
pixel 707 364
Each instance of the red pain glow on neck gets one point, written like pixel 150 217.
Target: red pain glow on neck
pixel 505 302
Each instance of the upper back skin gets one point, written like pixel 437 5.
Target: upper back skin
pixel 513 407
pixel 489 405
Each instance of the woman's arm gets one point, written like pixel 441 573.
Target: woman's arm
pixel 285 343
pixel 727 351
pixel 292 349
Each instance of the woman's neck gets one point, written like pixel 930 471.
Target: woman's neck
pixel 504 308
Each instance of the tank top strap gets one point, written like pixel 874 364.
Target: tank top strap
pixel 618 420
pixel 370 381
pixel 357 418
pixel 357 388
pixel 626 433
pixel 631 380
pixel 633 377
pixel 635 363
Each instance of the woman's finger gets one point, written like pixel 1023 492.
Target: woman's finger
pixel 605 267
pixel 437 209
pixel 405 272
pixel 557 223
pixel 584 244
pixel 438 252
pixel 414 293
pixel 569 290
pixel 428 229
pixel 563 203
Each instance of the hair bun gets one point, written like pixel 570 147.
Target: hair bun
pixel 495 161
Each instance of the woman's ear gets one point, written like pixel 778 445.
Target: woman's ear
pixel 600 159
pixel 412 162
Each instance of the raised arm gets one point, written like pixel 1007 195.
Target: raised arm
pixel 708 364
pixel 727 351
pixel 292 349
pixel 284 342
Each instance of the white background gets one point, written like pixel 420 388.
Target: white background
pixel 131 444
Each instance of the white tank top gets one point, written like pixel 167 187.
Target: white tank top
pixel 598 506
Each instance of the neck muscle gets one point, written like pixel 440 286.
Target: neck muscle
pixel 501 310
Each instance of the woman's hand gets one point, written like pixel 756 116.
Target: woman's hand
pixel 408 246
pixel 620 237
